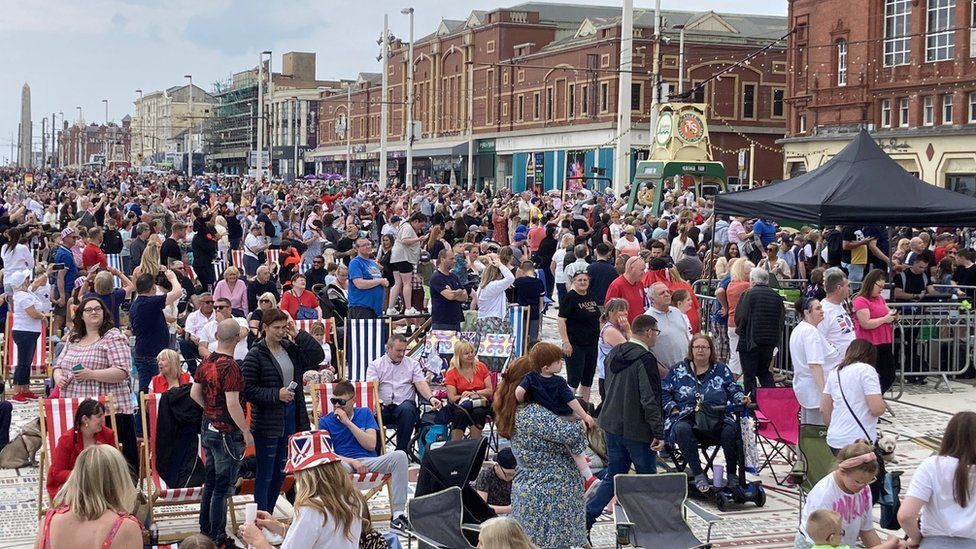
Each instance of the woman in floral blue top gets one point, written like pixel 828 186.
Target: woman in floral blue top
pixel 690 389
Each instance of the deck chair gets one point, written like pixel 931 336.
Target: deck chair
pixel 364 342
pixel 435 520
pixel 779 426
pixel 817 459
pixel 57 418
pixel 237 259
pixel 366 397
pixel 272 256
pixel 43 352
pixel 219 266
pixel 518 316
pixel 115 261
pixel 651 511
pixel 159 494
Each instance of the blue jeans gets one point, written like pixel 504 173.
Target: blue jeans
pixel 26 347
pixel 224 453
pixel 855 273
pixel 404 416
pixel 270 454
pixel 621 453
pixel 251 265
pixel 683 436
pixel 146 367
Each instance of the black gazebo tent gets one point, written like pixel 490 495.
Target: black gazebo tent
pixel 861 185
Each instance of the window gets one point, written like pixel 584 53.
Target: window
pixel 749 101
pixel 928 111
pixel 571 101
pixel 585 99
pixel 536 107
pixel 604 97
pixel 947 109
pixel 842 63
pixel 548 103
pixel 972 107
pixel 490 46
pixel 940 36
pixel 520 108
pixel 964 183
pixel 636 94
pixel 898 27
pixel 903 112
pixel 803 124
pixel 778 102
pixel 886 113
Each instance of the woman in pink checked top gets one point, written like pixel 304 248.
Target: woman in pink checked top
pixel 234 289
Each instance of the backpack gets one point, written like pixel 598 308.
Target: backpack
pixel 430 435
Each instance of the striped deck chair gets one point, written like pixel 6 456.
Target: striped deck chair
pixel 237 259
pixel 156 489
pixel 219 266
pixel 330 329
pixel 43 352
pixel 367 396
pixel 115 261
pixel 364 342
pixel 57 418
pixel 272 256
pixel 518 316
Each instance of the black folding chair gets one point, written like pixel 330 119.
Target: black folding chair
pixel 651 511
pixel 436 521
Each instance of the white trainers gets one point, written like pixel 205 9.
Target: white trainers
pixel 411 312
pixel 391 312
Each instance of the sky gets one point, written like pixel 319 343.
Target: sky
pixel 78 53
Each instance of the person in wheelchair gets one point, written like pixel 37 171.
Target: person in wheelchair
pixel 690 389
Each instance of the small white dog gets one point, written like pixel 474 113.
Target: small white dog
pixel 887 443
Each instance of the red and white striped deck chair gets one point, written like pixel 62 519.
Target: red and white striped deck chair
pixel 156 489
pixel 330 330
pixel 237 259
pixel 42 352
pixel 367 396
pixel 272 256
pixel 57 418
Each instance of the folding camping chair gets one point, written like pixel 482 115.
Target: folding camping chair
pixel 57 418
pixel 43 352
pixel 779 426
pixel 652 511
pixel 436 521
pixel 305 325
pixel 364 342
pixel 159 494
pixel 817 459
pixel 366 397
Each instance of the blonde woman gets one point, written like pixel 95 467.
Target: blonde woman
pixel 740 283
pixel 234 289
pixel 470 389
pixel 266 302
pixel 328 507
pixel 150 260
pixel 92 508
pixel 171 374
pixel 491 300
pixel 503 533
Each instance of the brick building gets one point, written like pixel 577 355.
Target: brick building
pixel 78 142
pixel 544 84
pixel 904 69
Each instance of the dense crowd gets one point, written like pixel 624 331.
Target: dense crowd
pixel 229 297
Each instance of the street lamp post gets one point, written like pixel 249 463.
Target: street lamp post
pixel 105 134
pixel 58 150
pixel 384 94
pixel 189 131
pixel 262 126
pixel 81 131
pixel 409 174
pixel 142 127
pixel 294 140
pixel 681 58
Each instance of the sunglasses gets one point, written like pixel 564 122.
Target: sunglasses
pixel 221 307
pixel 338 401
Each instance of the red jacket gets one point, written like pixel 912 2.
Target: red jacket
pixel 66 453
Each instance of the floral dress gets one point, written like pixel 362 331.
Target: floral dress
pixel 680 389
pixel 547 493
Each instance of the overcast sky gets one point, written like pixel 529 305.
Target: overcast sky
pixel 78 53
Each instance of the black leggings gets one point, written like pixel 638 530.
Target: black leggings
pixel 885 366
pixel 581 366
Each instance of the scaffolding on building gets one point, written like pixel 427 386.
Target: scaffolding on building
pixel 231 134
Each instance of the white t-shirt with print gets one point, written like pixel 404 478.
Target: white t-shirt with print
pixel 837 327
pixel 854 509
pixel 807 346
pixel 932 482
pixel 858 380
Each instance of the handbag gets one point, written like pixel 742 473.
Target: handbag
pixel 878 493
pixel 707 422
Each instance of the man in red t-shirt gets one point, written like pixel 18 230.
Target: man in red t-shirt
pixel 536 234
pixel 218 389
pixel 92 254
pixel 630 287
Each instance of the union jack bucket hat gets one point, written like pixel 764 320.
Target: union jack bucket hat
pixel 309 449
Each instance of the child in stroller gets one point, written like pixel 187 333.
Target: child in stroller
pixel 550 390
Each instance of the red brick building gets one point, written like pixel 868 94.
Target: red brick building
pixel 904 69
pixel 544 80
pixel 78 142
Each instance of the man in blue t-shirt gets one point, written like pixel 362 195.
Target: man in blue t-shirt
pixel 446 295
pixel 366 283
pixel 765 230
pixel 354 440
pixel 65 282
pixel 149 324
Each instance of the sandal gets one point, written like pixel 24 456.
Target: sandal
pixel 701 483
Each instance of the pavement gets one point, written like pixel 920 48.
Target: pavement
pixel 918 418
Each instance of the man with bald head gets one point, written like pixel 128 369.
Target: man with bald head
pixel 263 281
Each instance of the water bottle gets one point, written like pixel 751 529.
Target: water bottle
pixel 718 475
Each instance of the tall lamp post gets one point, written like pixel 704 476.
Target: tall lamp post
pixel 410 136
pixel 105 131
pixel 189 131
pixel 57 149
pixel 262 126
pixel 385 98
pixel 142 128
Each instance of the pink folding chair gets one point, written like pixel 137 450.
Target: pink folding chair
pixel 779 425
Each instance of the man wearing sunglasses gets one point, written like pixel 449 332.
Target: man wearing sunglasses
pixel 207 341
pixel 354 438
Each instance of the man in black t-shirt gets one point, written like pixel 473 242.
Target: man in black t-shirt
pixel 170 250
pixel 530 292
pixel 965 273
pixel 264 220
pixel 346 246
pixel 914 282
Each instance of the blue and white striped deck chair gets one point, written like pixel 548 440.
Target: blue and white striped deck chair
pixel 115 261
pixel 518 316
pixel 364 342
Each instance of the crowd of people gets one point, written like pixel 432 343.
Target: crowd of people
pixel 195 289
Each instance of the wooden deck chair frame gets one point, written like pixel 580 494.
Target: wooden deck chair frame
pixel 367 396
pixel 64 410
pixel 38 371
pixel 159 496
pixel 344 370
